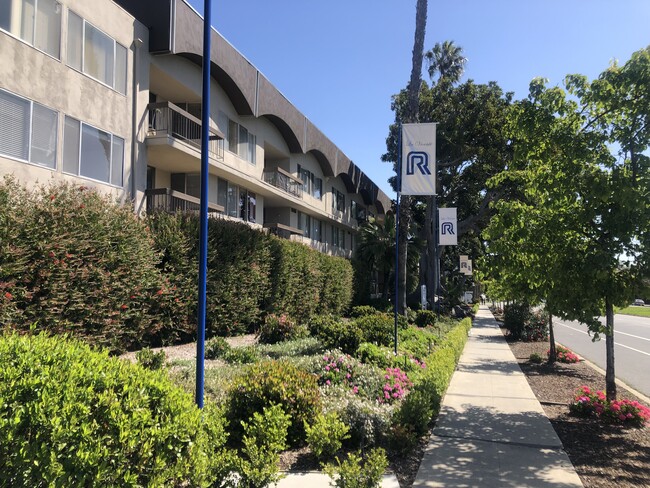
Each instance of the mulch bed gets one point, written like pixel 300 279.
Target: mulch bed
pixel 603 455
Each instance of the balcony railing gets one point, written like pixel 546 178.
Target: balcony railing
pixel 164 199
pixel 165 118
pixel 284 181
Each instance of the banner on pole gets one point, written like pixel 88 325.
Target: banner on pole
pixel 465 265
pixel 418 159
pixel 447 232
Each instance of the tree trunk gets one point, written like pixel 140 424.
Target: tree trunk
pixel 410 117
pixel 430 239
pixel 610 376
pixel 552 355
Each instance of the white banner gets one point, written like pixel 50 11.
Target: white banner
pixel 419 159
pixel 465 265
pixel 447 232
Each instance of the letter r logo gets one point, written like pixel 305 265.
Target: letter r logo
pixel 419 159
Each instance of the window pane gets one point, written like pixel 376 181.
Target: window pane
pixel 233 136
pixel 243 142
pixel 25 21
pixel 14 126
pixel 6 10
pixel 252 207
pixel 98 55
pixel 75 36
pixel 95 153
pixel 48 27
pixel 318 188
pixel 233 200
pixel 120 68
pixel 252 157
pixel 222 193
pixel 117 162
pixel 71 146
pixel 44 125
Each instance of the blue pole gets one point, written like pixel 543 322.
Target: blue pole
pixel 203 233
pixel 399 189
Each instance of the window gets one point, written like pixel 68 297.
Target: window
pixel 310 184
pixel 247 205
pixel 238 140
pixel 92 153
pixel 37 22
pixel 338 237
pixel 94 53
pixel 188 183
pixel 357 211
pixel 317 230
pixel 338 200
pixel 28 130
pixel 304 224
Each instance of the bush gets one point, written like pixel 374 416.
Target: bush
pixel 64 247
pixel 72 416
pixel 358 471
pixel 536 327
pixel 241 355
pixel 264 437
pixel 337 370
pixel 564 355
pixel 149 359
pixel 275 382
pixel 362 311
pixel 336 334
pixel 380 356
pixel 515 317
pixel 589 403
pixel 425 318
pixel 216 347
pixel 535 358
pixel 278 328
pixel 326 434
pixel 306 346
pixel 336 288
pixel 378 328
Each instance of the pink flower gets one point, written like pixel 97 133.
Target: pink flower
pixel 328 382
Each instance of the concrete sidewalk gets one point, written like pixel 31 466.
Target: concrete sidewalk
pixel 492 431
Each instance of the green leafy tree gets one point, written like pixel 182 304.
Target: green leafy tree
pixel 578 235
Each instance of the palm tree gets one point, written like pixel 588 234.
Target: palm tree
pixel 448 61
pixel 376 248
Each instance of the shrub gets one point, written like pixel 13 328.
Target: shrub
pixel 326 434
pixel 264 437
pixel 275 382
pixel 216 347
pixel 378 328
pixel 396 386
pixel 535 358
pixel 64 247
pixel 149 359
pixel 425 318
pixel 515 317
pixel 589 403
pixel 380 356
pixel 306 346
pixel 362 311
pixel 241 355
pixel 564 355
pixel 72 416
pixel 337 370
pixel 336 334
pixel 416 412
pixel 536 327
pixel 336 288
pixel 278 328
pixel 358 471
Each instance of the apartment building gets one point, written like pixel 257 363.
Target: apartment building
pixel 107 93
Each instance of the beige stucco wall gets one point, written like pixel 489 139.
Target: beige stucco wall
pixel 30 73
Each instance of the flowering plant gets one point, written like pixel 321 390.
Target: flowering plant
pixel 589 403
pixel 396 387
pixel 337 370
pixel 564 355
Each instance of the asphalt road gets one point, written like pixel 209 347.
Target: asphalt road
pixel 631 349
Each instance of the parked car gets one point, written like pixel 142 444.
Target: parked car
pixel 639 302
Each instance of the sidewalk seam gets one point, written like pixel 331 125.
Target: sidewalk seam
pixel 507 443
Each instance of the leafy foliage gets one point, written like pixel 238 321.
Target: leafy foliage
pixel 149 359
pixel 326 434
pixel 358 471
pixel 277 328
pixel 72 416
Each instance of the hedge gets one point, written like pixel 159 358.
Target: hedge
pixel 72 416
pixel 72 260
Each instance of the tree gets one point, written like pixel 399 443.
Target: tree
pixel 376 249
pixel 410 116
pixel 448 61
pixel 578 234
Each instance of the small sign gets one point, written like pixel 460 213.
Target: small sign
pixel 418 159
pixel 447 230
pixel 466 265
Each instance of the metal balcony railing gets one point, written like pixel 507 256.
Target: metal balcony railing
pixel 284 181
pixel 167 118
pixel 164 199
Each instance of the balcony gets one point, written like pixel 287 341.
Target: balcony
pixel 166 200
pixel 284 180
pixel 166 120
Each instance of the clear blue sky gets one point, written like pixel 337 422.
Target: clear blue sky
pixel 339 61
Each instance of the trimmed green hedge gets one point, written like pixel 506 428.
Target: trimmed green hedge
pixel 72 416
pixel 423 402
